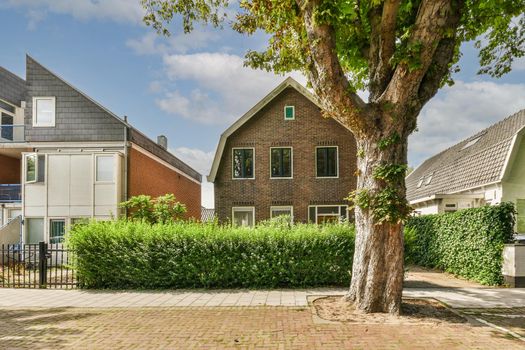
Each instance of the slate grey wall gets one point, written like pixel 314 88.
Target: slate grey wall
pixel 12 88
pixel 77 118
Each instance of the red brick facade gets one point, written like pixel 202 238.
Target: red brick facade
pixel 147 175
pixel 268 129
pixel 9 170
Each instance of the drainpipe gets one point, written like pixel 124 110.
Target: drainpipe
pixel 126 154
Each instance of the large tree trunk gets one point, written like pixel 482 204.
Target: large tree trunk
pixel 377 272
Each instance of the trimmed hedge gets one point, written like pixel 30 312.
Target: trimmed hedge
pixel 124 254
pixel 467 243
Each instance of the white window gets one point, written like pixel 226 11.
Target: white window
pixel 282 211
pixel 44 111
pixel 289 112
pixel 13 214
pixel 57 230
pixel 34 230
pixel 243 161
pixel 35 168
pixel 243 216
pixel 105 168
pixel 321 214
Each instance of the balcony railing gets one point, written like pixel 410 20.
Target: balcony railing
pixel 10 193
pixel 11 133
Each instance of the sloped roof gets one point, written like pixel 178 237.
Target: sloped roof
pixel 134 134
pixel 288 82
pixel 12 87
pixel 476 161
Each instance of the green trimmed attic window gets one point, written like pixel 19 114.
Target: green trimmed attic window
pixel 289 112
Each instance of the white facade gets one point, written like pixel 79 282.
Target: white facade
pixel 68 185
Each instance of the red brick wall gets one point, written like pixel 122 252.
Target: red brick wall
pixel 269 129
pixel 9 170
pixel 150 177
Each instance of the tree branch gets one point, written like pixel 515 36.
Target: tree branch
pixel 432 20
pixel 327 76
pixel 383 41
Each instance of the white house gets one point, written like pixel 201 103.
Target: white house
pixel 485 169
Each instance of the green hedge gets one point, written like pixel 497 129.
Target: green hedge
pixel 467 243
pixel 125 254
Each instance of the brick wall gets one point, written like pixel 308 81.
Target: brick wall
pixel 269 129
pixel 9 170
pixel 148 176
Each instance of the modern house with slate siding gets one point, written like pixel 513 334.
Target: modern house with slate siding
pixel 485 169
pixel 64 158
pixel 284 158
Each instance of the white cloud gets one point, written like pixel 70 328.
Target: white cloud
pixel 200 161
pixel 151 43
pixel 114 10
pixel 461 111
pixel 226 90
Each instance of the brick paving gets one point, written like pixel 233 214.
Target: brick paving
pixel 226 328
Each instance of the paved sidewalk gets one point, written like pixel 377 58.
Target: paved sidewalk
pixel 28 298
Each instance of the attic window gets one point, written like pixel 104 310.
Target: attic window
pixel 471 142
pixel 429 179
pixel 289 112
pixel 420 182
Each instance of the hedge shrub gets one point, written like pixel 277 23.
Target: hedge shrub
pixel 467 243
pixel 123 254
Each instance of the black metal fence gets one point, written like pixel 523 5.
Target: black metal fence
pixel 42 265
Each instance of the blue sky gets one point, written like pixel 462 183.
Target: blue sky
pixel 191 87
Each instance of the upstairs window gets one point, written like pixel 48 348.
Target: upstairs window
pixel 243 160
pixel 326 158
pixel 289 112
pixel 105 168
pixel 281 162
pixel 35 168
pixel 44 111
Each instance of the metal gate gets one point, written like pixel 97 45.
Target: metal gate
pixel 41 265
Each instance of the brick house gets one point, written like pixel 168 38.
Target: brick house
pixel 283 157
pixel 64 157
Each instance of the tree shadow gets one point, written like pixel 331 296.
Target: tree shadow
pixel 39 328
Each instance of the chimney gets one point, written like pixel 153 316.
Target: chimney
pixel 162 141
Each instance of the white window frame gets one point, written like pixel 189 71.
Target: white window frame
pixel 291 167
pixel 281 207
pixel 37 169
pixel 39 125
pixel 96 168
pixel 243 178
pixel 284 112
pixel 66 227
pixel 337 160
pixel 243 209
pixel 328 205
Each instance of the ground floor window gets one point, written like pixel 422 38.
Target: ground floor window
pixel 321 214
pixel 243 216
pixel 57 230
pixel 286 211
pixel 13 214
pixel 34 230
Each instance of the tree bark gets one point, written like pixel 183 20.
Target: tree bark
pixel 377 272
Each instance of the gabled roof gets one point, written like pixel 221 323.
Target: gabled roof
pixel 86 96
pixel 288 82
pixel 134 135
pixel 476 161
